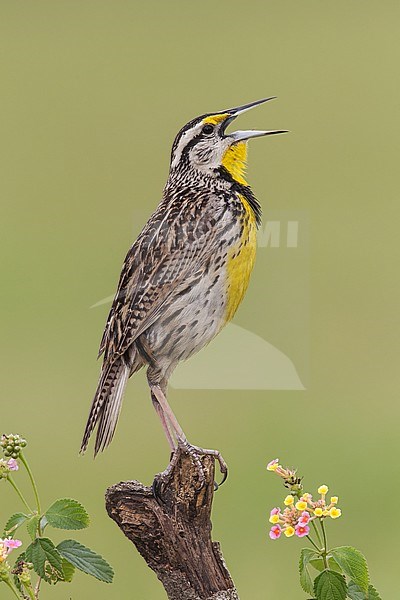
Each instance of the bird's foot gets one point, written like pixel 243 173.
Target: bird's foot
pixel 162 479
pixel 195 452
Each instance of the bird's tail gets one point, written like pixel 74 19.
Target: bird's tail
pixel 106 405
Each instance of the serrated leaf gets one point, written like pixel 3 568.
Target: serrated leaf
pixel 32 526
pixel 68 570
pixel 372 593
pixel 86 560
pixel 353 564
pixel 306 555
pixel 356 593
pixel 67 514
pixel 13 523
pixel 46 559
pixel 330 585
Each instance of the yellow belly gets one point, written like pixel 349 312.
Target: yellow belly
pixel 240 263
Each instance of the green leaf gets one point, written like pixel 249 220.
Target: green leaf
pixel 353 564
pixel 356 593
pixel 330 585
pixel 67 514
pixel 372 593
pixel 68 570
pixel 86 560
pixel 32 526
pixel 318 564
pixel 306 555
pixel 46 559
pixel 13 523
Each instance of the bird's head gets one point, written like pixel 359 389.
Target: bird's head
pixel 205 146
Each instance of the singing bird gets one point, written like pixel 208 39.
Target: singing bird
pixel 184 276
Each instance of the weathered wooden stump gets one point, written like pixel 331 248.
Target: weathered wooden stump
pixel 173 533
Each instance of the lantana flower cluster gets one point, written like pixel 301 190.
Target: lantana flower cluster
pixel 6 546
pixel 300 507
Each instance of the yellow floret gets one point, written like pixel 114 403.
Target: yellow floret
pixel 335 512
pixel 288 500
pixel 334 500
pixel 300 505
pixel 274 519
pixel 318 512
pixel 289 531
pixel 323 489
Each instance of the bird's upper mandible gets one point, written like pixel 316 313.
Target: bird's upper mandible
pixel 204 146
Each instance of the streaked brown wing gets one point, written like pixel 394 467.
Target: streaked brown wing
pixel 167 257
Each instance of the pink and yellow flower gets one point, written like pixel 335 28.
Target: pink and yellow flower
pixel 11 544
pixel 302 530
pixel 306 497
pixel 304 518
pixel 300 508
pixel 275 532
pixel 273 465
pixel 274 519
pixel 289 500
pixel 6 546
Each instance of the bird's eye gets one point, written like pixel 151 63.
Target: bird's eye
pixel 208 129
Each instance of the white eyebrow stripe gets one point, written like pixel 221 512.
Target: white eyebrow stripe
pixel 185 139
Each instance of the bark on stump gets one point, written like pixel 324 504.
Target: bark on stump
pixel 174 534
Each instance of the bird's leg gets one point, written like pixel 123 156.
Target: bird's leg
pixel 164 422
pixel 194 451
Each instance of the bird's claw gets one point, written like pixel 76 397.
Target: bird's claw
pixel 195 452
pixel 163 478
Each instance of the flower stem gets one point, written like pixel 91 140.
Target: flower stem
pixel 12 588
pixel 313 543
pixel 30 592
pixel 314 527
pixel 16 488
pixel 35 491
pixel 316 532
pixel 325 552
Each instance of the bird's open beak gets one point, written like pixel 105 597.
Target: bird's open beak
pixel 239 136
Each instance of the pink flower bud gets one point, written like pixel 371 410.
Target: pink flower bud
pixel 12 464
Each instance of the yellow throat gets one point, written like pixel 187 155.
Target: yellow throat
pixel 241 256
pixel 235 161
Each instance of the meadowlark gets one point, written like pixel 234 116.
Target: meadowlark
pixel 184 276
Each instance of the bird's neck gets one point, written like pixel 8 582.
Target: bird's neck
pixel 234 162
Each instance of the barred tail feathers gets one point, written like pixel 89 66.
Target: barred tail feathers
pixel 106 405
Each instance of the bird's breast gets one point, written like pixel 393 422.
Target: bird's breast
pixel 240 261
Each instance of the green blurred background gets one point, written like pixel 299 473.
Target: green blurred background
pixel 92 96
